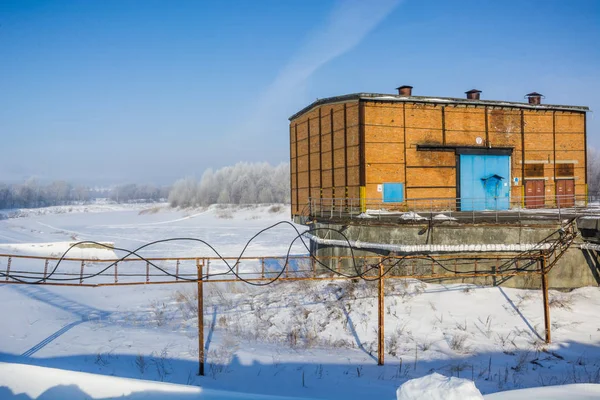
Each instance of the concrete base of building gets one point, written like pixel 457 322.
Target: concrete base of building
pixel 576 268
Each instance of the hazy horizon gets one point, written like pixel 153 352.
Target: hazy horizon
pixel 113 92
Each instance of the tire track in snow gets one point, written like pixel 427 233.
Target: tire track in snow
pixel 11 238
pixel 108 236
pixel 151 223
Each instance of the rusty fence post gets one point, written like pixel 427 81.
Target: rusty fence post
pixel 177 271
pixel 116 272
pixel 81 273
pixel 147 271
pixel 546 300
pixel 381 309
pixel 200 320
pixel 8 268
pixel 45 270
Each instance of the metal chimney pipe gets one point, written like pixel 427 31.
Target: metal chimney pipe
pixel 534 98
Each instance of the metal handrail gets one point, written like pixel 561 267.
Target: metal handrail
pixel 355 207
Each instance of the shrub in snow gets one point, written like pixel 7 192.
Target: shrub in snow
pixel 438 387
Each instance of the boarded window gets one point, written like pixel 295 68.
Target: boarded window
pixel 565 169
pixel 534 170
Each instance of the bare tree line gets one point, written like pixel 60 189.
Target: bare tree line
pixel 242 183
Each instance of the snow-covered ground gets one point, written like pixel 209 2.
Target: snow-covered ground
pixel 302 339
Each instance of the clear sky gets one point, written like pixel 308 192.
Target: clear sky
pixel 117 91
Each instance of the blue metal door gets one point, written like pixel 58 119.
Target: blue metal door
pixel 484 182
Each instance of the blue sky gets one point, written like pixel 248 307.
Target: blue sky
pixel 149 91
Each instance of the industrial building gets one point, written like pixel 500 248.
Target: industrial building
pixel 462 153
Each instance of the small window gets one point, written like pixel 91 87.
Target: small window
pixel 565 169
pixel 534 170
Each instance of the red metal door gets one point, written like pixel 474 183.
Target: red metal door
pixel 534 193
pixel 565 192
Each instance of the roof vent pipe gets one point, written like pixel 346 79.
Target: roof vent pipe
pixel 405 90
pixel 473 94
pixel 534 97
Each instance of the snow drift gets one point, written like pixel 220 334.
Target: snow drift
pixel 438 387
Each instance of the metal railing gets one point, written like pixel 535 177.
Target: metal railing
pixel 22 269
pixel 464 209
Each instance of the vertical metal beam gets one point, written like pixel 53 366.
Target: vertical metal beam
pixel 345 156
pixel 116 272
pixel 554 156
pixel 523 157
pixel 332 159
pixel 200 320
pixel 546 300
pixel 361 144
pixel 292 139
pixel 320 157
pixel 487 131
pixel 309 166
pixel 147 272
pixel 380 309
pixel 405 146
pixel 458 194
pixel 585 171
pixel 443 125
pixel 297 188
pixel 177 270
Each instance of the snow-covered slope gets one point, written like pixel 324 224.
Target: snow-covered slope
pixel 30 382
pixel 580 391
pixel 304 339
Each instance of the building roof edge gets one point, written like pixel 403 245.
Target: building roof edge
pixel 435 100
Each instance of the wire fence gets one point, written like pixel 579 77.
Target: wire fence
pixel 88 272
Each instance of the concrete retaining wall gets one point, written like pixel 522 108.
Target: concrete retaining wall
pixel 576 268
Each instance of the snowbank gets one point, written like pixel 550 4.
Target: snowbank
pixel 431 248
pixel 57 384
pixel 581 391
pixel 438 387
pixel 30 381
pixel 89 251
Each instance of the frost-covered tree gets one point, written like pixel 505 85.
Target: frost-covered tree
pixel 183 193
pixel 593 160
pixel 32 193
pixel 138 193
pixel 242 183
